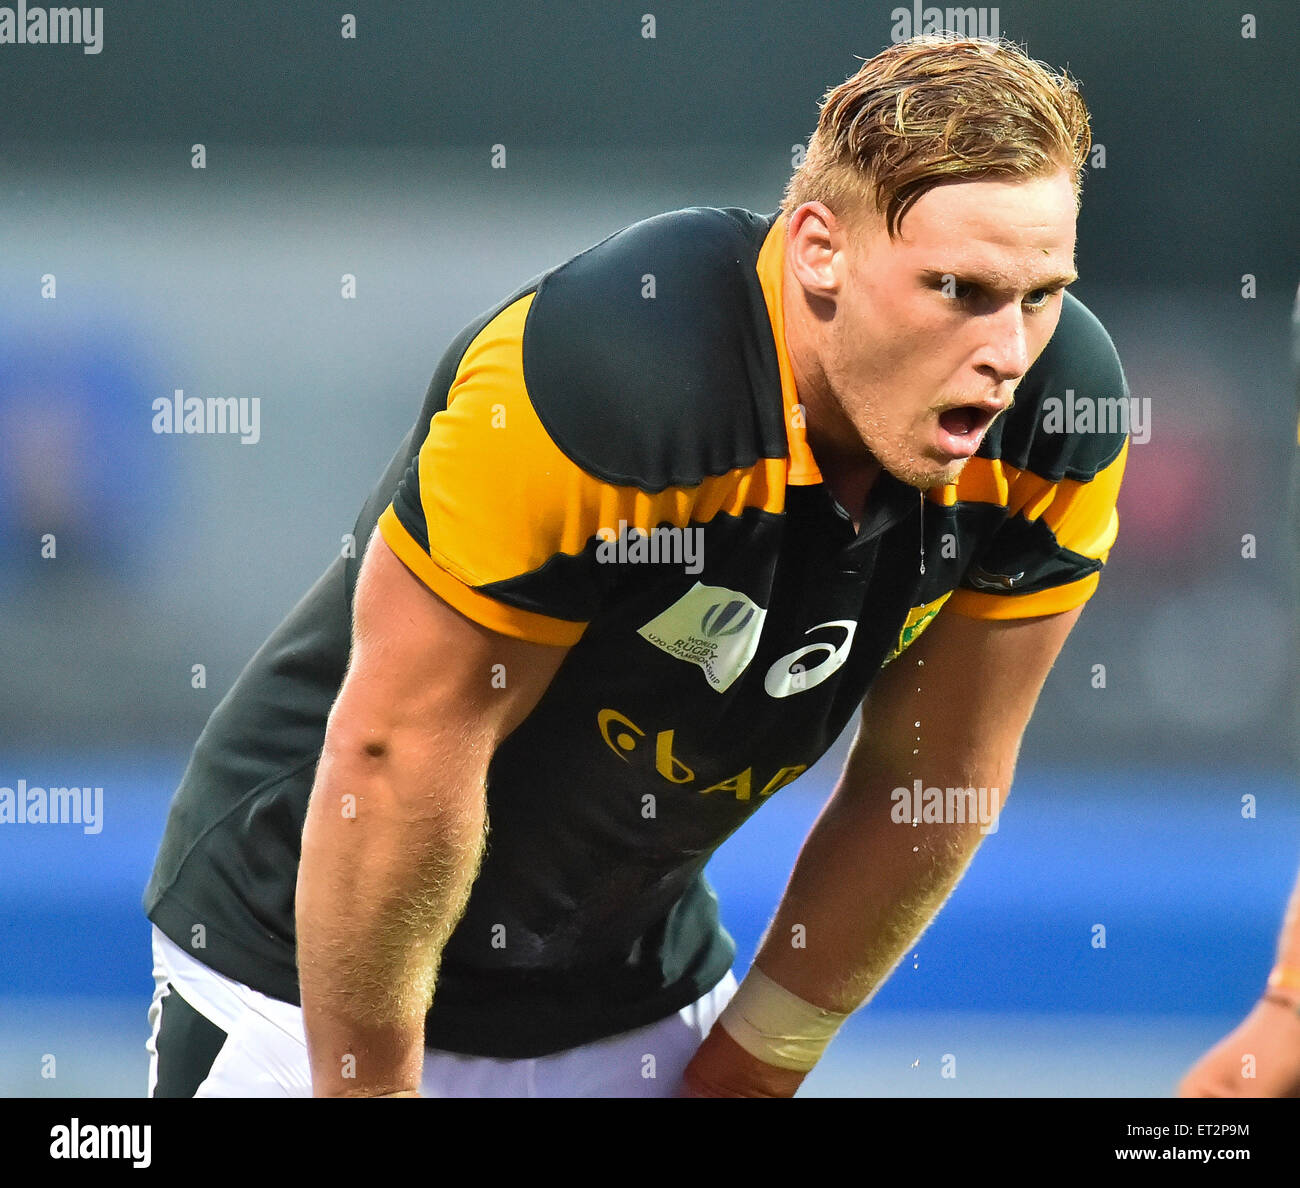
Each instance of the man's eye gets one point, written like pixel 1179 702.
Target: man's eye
pixel 1039 298
pixel 955 289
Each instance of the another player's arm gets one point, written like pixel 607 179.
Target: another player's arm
pixel 865 887
pixel 1284 981
pixel 396 823
pixel 1269 1035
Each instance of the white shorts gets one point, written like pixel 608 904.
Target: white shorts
pixel 264 1053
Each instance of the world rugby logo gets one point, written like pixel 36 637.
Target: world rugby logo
pixel 710 626
pixel 727 618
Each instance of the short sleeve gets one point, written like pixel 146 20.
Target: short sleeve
pixel 1056 477
pixel 495 518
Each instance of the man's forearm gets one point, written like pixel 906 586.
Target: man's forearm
pixel 865 886
pixel 391 845
pixel 862 891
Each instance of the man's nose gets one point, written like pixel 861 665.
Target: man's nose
pixel 1005 352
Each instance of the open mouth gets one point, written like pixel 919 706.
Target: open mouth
pixel 961 422
pixel 961 429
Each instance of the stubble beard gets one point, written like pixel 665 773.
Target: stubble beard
pixel 900 454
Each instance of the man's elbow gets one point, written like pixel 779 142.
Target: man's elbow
pixel 403 765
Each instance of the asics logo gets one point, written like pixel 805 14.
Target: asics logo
pixel 790 675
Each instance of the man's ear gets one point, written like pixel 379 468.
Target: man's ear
pixel 814 240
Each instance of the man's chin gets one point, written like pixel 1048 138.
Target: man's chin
pixel 924 474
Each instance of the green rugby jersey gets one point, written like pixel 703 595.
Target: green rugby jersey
pixel 587 422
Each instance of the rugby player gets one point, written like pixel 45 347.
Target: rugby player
pixel 446 835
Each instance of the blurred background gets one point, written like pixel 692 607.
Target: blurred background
pixel 126 273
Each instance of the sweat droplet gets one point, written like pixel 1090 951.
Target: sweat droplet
pixel 922 495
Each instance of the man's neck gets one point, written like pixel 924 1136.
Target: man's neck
pixel 846 465
pixel 850 483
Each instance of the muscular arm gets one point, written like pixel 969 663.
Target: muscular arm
pixel 396 823
pixel 864 886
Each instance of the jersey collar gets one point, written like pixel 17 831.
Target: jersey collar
pixel 802 469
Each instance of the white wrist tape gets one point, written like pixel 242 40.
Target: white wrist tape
pixel 777 1027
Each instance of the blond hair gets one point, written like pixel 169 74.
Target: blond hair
pixel 938 109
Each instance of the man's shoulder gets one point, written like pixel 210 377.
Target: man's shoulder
pixel 649 357
pixel 1072 411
